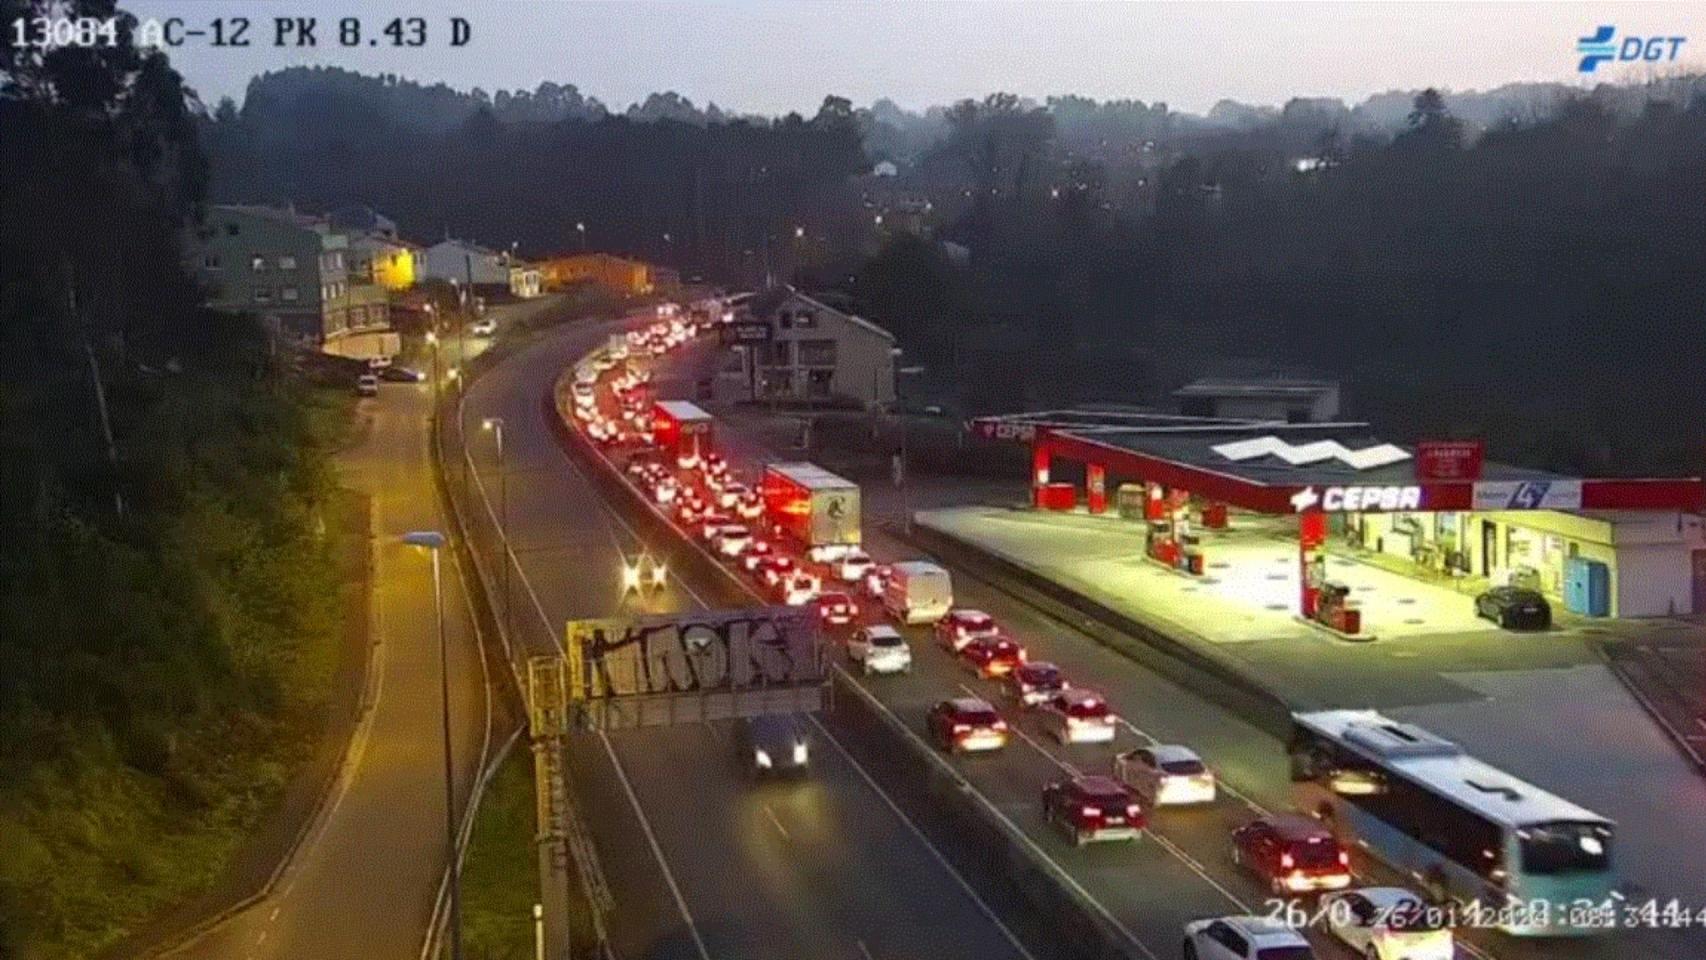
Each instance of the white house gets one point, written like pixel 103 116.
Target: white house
pixel 467 263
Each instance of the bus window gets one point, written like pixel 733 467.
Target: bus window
pixel 1565 848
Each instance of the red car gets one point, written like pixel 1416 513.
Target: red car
pixel 1035 683
pixel 993 657
pixel 1093 808
pixel 836 609
pixel 962 626
pixel 1292 853
pixel 967 723
pixel 774 569
pixel 755 554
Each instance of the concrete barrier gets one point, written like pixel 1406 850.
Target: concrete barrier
pixel 1211 676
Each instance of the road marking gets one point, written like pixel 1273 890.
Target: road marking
pixel 864 951
pixel 779 828
pixel 657 850
pixel 918 833
pixel 262 938
pixel 273 916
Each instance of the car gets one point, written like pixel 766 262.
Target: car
pixel 1292 853
pixel 1165 775
pixel 483 327
pixel 1515 608
pixel 716 466
pixel 1386 923
pixel 689 509
pixel 711 522
pixel 397 373
pixel 774 744
pixel 799 589
pixel 880 648
pixel 750 508
pixel 755 554
pixel 731 538
pixel 367 385
pixel 1244 938
pixel 853 566
pixel 836 609
pixel 1035 682
pixel 777 567
pixel 828 553
pixel 380 362
pixel 1092 808
pixel 730 494
pixel 961 626
pixel 966 724
pixel 665 490
pixel 993 657
pixel 1079 716
pixel 877 581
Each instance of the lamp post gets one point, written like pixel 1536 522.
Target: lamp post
pixel 903 467
pixel 495 426
pixel 434 542
pixel 432 341
pixel 580 228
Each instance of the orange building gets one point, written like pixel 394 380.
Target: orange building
pixel 623 277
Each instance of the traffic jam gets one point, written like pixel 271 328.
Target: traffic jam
pixel 791 533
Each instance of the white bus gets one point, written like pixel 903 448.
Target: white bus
pixel 1532 863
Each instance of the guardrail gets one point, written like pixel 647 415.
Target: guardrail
pixel 1001 855
pixel 1206 675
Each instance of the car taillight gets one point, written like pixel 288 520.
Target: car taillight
pixel 999 725
pixel 1287 861
pixel 962 728
pixel 853 610
pixel 1132 810
pixel 1344 858
pixel 1089 812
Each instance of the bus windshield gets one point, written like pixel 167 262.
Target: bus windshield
pixel 1556 848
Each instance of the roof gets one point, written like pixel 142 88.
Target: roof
pixel 1267 387
pixel 284 215
pixel 682 410
pixel 1266 931
pixel 852 318
pixel 1099 785
pixel 1444 768
pixel 1173 753
pixel 971 705
pixel 810 475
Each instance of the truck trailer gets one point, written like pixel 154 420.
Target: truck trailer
pixel 813 506
pixel 683 431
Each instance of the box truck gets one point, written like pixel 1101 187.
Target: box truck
pixel 813 506
pixel 683 431
pixel 918 591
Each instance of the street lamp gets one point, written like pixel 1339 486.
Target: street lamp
pixel 902 467
pixel 432 340
pixel 495 426
pixel 434 542
pixel 580 228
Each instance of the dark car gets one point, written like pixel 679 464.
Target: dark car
pixel 397 374
pixel 774 744
pixel 1035 683
pixel 1292 853
pixel 1093 808
pixel 966 724
pixel 1515 608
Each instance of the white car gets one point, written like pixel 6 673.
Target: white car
pixel 584 397
pixel 880 649
pixel 730 540
pixel 853 565
pixel 1386 923
pixel 665 491
pixel 800 589
pixel 828 552
pixel 1079 716
pixel 1244 938
pixel 729 495
pixel 483 327
pixel 1166 775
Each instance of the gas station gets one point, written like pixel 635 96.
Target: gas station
pixel 1438 511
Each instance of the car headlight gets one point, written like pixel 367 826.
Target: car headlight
pixel 761 758
pixel 800 752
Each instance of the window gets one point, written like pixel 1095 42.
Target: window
pixel 287 263
pixel 231 229
pixel 263 294
pixel 818 383
pixel 257 263
pixel 817 353
pixel 289 294
pixel 1230 939
pixel 805 319
pixel 211 261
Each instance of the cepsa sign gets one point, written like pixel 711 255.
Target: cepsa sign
pixel 1449 459
pixel 994 429
pixel 1345 499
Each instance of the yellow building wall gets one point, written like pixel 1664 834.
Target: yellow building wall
pixel 394 268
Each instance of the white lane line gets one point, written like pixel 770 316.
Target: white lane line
pixel 918 834
pixel 777 823
pixel 864 951
pixel 262 938
pixel 657 850
pixel 273 915
pixel 1160 840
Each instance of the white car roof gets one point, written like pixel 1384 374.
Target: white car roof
pixel 968 612
pixel 1173 753
pixel 1267 932
pixel 1386 898
pixel 881 630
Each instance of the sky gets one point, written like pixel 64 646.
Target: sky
pixel 772 57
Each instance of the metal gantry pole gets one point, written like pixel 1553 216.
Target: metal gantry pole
pixel 453 869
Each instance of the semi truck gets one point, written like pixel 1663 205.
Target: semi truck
pixel 683 431
pixel 813 506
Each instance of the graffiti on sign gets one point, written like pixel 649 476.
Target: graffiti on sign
pixel 713 650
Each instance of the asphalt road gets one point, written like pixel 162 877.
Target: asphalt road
pixel 364 880
pixel 1182 870
pixel 702 863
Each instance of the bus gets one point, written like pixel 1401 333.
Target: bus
pixel 1526 861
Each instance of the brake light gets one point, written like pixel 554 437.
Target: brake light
pixel 853 610
pixel 1132 810
pixel 1089 812
pixel 962 728
pixel 1287 861
pixel 1344 858
pixel 1000 725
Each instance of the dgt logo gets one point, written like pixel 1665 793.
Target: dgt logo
pixel 1601 47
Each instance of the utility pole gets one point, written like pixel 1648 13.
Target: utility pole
pixel 95 380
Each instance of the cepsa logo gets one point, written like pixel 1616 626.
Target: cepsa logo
pixel 1337 499
pixel 1603 47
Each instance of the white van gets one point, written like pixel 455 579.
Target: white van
pixel 918 592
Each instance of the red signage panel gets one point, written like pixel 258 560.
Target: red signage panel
pixel 1449 459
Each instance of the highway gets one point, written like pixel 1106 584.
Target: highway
pixel 364 879
pixel 1182 870
pixel 700 862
